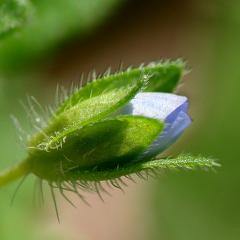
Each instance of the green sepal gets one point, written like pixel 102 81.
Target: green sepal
pixel 150 167
pixel 101 145
pixel 102 97
pixel 105 85
pixel 92 103
pixel 164 76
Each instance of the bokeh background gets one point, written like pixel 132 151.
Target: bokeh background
pixel 58 40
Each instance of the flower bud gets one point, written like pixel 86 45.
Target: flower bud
pixel 112 127
pixel 110 123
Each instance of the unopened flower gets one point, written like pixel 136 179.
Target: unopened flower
pixel 110 128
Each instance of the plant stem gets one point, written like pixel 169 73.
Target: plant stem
pixel 19 170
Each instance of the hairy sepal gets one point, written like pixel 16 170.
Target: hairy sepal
pixel 91 103
pixel 105 85
pixel 101 97
pixel 103 145
pixel 164 76
pixel 161 76
pixel 150 167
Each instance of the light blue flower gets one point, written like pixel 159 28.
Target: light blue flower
pixel 169 108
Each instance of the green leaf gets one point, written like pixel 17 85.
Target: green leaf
pixel 183 161
pixel 104 145
pixel 165 76
pixel 13 15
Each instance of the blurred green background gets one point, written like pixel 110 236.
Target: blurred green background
pixel 55 41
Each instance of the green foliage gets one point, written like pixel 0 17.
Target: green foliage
pixel 13 15
pixel 51 23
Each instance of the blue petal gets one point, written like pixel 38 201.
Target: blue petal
pixel 169 135
pixel 162 106
pixel 170 108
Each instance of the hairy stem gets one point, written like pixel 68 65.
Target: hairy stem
pixel 13 173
